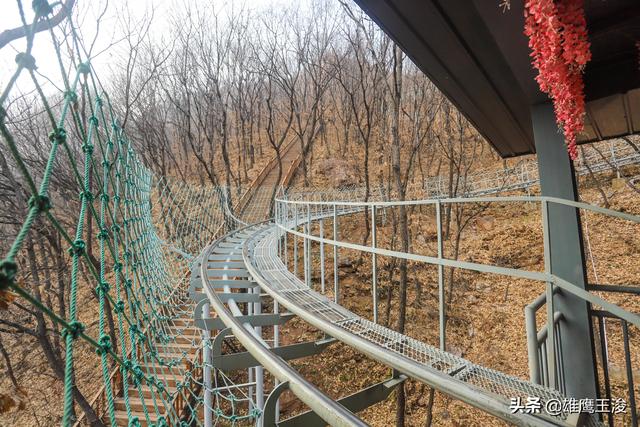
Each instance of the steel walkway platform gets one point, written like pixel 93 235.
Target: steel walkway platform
pixel 481 387
pixel 250 257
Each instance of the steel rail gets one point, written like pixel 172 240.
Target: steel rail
pixel 285 224
pixel 478 267
pixel 522 176
pixel 329 410
pixel 454 384
pixel 394 203
pixel 444 382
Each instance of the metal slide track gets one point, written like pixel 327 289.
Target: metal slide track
pixel 523 176
pixel 486 389
pixel 250 255
pixel 223 283
pixel 248 259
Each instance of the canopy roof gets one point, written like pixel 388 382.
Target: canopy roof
pixel 477 55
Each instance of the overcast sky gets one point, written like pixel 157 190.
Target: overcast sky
pixel 111 30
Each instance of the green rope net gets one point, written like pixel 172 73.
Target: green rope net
pixel 147 231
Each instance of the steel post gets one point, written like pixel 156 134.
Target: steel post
pixel 286 243
pixel 629 372
pixel 305 258
pixel 295 241
pixel 532 344
pixel 565 252
pixel 551 348
pixel 322 284
pixel 336 289
pixel 206 361
pixel 374 273
pixel 307 255
pixel 276 343
pixel 259 372
pixel 278 220
pixel 441 300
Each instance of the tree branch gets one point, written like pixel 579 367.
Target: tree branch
pixel 7 36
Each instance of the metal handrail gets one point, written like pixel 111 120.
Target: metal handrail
pixel 329 410
pixel 292 214
pixel 520 177
pixel 547 277
pixel 445 382
pixel 393 203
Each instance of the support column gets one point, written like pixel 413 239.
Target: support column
pixel 557 179
pixel 208 377
pixel 259 370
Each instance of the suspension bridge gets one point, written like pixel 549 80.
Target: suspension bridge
pixel 200 288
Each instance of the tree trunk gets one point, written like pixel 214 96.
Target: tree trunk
pixel 402 217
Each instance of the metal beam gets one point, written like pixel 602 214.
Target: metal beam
pixel 355 402
pixel 232 362
pixel 220 265
pixel 235 296
pixel 233 284
pixel 239 297
pixel 566 254
pixel 215 323
pixel 212 273
pixel 254 320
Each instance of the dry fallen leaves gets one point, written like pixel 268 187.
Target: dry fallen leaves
pixel 6 297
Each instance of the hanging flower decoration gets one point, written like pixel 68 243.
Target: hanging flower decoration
pixel 557 32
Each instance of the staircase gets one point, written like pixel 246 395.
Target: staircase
pixel 180 354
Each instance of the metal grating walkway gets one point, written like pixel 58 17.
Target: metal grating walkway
pixel 484 388
pixel 218 268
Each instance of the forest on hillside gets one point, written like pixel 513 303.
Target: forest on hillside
pixel 220 95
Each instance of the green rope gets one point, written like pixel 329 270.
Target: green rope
pixel 149 230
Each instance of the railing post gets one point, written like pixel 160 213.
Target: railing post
pixel 259 370
pixel 336 289
pixel 441 301
pixel 374 273
pixel 614 161
pixel 277 221
pixel 295 241
pixel 532 344
pixel 629 369
pixel 321 224
pixel 276 343
pixel 286 233
pixel 307 248
pixel 551 348
pixel 206 372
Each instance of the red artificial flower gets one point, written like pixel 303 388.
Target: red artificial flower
pixel 559 43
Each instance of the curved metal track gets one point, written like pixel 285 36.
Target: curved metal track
pixel 257 245
pixel 484 388
pixel 252 254
pixel 222 268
